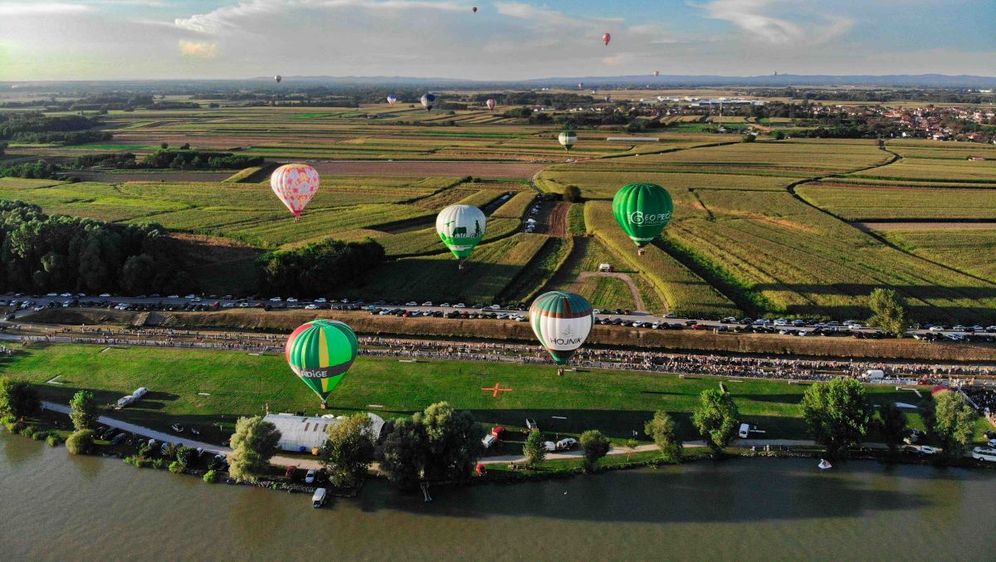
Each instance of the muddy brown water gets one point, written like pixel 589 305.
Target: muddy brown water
pixel 57 507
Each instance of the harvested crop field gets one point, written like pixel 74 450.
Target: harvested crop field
pixel 520 170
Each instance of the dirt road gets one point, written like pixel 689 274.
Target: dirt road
pixel 624 277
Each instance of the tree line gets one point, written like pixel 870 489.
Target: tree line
pixel 35 127
pixel 40 253
pixel 318 269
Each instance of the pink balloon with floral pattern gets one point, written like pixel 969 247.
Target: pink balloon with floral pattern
pixel 295 185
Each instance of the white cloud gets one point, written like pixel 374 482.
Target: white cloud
pixel 229 18
pixel 753 17
pixel 39 8
pixel 198 49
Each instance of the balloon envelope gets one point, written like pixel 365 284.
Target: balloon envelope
pixel 320 352
pixel 391 100
pixel 562 322
pixel 461 228
pixel 278 78
pixel 567 139
pixel 491 103
pixel 295 185
pixel 428 101
pixel 606 37
pixel 642 210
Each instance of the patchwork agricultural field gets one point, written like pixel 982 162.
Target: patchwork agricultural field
pixel 762 228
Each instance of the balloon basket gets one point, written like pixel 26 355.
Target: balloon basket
pixel 325 406
pixel 461 265
pixel 641 251
pixel 560 371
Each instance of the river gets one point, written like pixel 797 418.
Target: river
pixel 57 507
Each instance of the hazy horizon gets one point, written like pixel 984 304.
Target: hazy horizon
pixel 503 41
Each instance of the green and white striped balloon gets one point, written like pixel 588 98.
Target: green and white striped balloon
pixel 562 322
pixel 461 228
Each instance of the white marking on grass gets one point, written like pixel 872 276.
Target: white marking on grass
pixel 375 405
pixel 54 380
pixel 203 394
pixel 559 417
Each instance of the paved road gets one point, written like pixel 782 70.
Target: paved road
pixel 634 316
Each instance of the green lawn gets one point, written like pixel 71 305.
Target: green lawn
pixel 203 388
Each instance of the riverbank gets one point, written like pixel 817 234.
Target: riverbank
pixel 750 509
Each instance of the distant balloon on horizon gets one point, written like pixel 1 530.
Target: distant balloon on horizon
pixel 606 37
pixel 278 78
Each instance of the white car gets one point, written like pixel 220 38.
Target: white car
pixel 309 478
pixel 311 307
pixel 321 300
pixel 445 305
pixel 427 303
pixel 411 303
pixel 937 328
pixel 190 296
pixel 488 441
pixel 550 446
pixel 291 300
pixel 567 444
pixel 169 297
pixel 459 305
pixel 927 450
pixel 105 295
pixel 275 299
pixel 494 307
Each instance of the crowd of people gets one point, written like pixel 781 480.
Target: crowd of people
pixel 740 366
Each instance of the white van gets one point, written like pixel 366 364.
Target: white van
pixel 874 374
pixel 984 454
pixel 318 499
pixel 744 431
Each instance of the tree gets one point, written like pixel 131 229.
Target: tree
pixel 888 311
pixel 953 423
pixel 402 456
pixel 838 414
pixel 716 418
pixel 453 439
pixel 253 444
pixel 18 398
pixel 164 145
pixel 595 446
pixel 137 274
pixel 83 410
pixel 780 135
pixel 348 450
pixel 663 430
pixel 891 424
pixel 573 194
pixel 80 442
pixel 748 137
pixel 534 450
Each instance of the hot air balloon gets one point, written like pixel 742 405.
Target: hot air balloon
pixel 428 101
pixel 567 139
pixel 606 37
pixel 391 100
pixel 491 103
pixel 580 85
pixel 320 352
pixel 657 73
pixel 474 9
pixel 642 210
pixel 278 78
pixel 295 185
pixel 461 227
pixel 561 322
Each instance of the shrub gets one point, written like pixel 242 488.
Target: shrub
pixel 8 422
pixel 53 440
pixel 159 463
pixel 28 430
pixel 39 435
pixel 80 442
pixel 534 450
pixel 176 467
pixel 595 446
pixel 211 476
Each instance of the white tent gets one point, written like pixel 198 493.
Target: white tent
pixel 305 434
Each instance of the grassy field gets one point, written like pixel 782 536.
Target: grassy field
pixel 970 251
pixel 205 388
pixel 855 202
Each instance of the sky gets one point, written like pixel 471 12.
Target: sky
pixel 504 40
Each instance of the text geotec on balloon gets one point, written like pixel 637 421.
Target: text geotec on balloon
pixel 638 217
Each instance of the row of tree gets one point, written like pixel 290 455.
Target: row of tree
pixel 322 268
pixel 40 253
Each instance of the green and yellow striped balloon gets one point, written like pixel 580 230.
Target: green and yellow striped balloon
pixel 320 352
